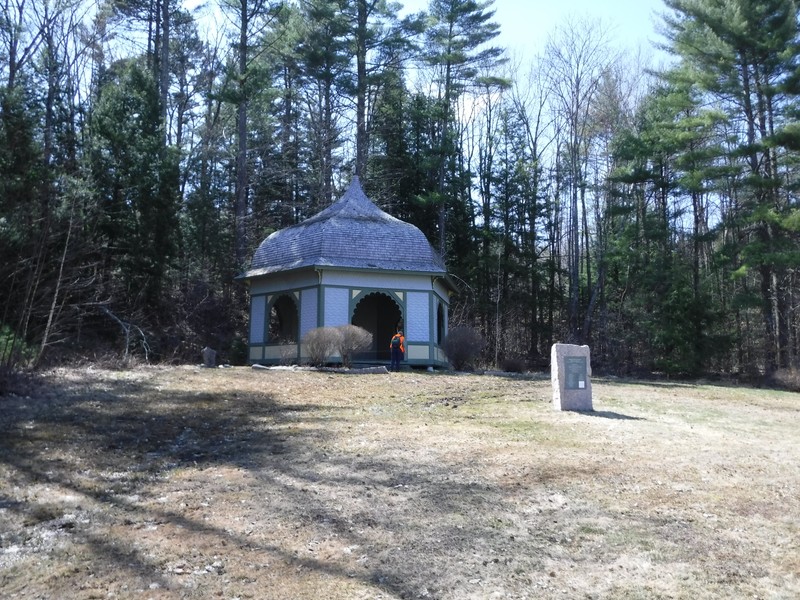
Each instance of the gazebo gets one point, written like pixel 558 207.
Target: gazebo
pixel 355 264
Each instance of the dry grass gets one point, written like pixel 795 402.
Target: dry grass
pixel 239 483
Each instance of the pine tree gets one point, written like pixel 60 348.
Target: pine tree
pixel 742 53
pixel 457 48
pixel 673 156
pixel 136 183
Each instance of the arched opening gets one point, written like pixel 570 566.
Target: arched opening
pixel 439 323
pixel 380 315
pixel 283 321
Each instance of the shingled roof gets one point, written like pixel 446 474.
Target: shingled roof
pixel 351 233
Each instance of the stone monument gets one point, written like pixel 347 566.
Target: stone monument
pixel 209 357
pixel 571 373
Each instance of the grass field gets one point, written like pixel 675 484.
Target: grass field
pixel 239 483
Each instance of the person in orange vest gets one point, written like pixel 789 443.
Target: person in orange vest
pixel 397 346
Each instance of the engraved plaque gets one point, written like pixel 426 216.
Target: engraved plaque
pixel 575 371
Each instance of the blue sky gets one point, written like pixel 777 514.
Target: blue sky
pixel 526 24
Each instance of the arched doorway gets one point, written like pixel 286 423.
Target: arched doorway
pixel 439 323
pixel 283 321
pixel 380 315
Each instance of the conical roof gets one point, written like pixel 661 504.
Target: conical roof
pixel 351 233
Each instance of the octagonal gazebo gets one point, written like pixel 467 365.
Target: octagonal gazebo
pixel 355 264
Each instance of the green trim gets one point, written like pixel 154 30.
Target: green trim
pixel 320 305
pixel 432 300
pixel 411 363
pixel 399 295
pixel 438 274
pixel 382 271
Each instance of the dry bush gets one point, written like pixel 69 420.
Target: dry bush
pixel 321 343
pixel 288 355
pixel 353 339
pixel 787 379
pixel 513 364
pixel 462 346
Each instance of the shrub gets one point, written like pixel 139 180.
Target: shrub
pixel 513 364
pixel 353 339
pixel 239 352
pixel 787 379
pixel 462 346
pixel 321 343
pixel 15 353
pixel 288 355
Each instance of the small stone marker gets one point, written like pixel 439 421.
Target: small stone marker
pixel 571 372
pixel 209 358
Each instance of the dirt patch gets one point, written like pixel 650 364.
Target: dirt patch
pixel 244 483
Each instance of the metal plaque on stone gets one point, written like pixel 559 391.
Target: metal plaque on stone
pixel 575 372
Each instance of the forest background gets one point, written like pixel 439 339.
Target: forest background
pixel 578 196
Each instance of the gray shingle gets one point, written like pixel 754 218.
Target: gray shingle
pixel 351 233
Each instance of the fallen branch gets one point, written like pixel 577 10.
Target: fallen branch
pixel 126 328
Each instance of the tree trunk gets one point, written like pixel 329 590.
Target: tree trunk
pixel 164 66
pixel 361 88
pixel 240 209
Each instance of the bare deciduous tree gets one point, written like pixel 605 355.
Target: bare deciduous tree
pixel 578 55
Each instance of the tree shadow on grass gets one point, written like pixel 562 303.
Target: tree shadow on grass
pixel 116 424
pixel 405 523
pixel 107 445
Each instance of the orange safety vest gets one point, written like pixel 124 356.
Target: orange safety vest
pixel 402 344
